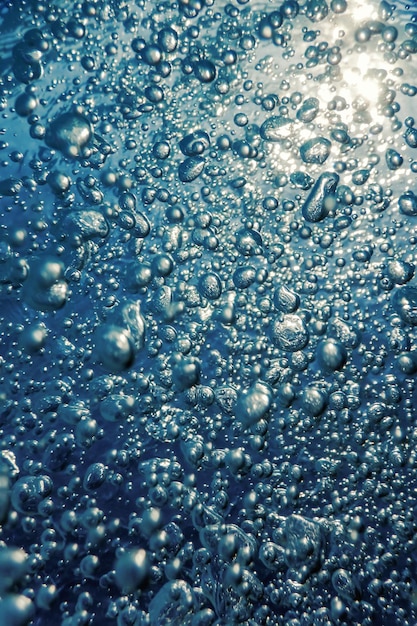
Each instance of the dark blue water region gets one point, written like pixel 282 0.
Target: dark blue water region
pixel 208 305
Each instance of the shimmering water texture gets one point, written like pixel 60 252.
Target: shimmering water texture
pixel 208 301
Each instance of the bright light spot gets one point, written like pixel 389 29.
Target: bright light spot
pixel 362 9
pixel 305 134
pixel 359 85
pixel 326 93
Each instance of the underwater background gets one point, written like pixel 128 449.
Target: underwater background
pixel 208 302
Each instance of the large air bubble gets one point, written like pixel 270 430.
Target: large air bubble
pixel 290 333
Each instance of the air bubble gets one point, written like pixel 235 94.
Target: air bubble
pixel 94 476
pixel 404 302
pixel 314 399
pixel 253 404
pixel 114 348
pixel 286 300
pixel 168 39
pixel 400 272
pixel 174 603
pixel 290 333
pixel 87 223
pixel 331 355
pixel 45 289
pixel 407 203
pixel 29 491
pixel 277 128
pixel 16 610
pixel 13 567
pixel 205 71
pixel 308 110
pixel 344 585
pixel 210 286
pixel 190 169
pixel 321 198
pixel 394 159
pixel 315 151
pixel 208 313
pixel 186 373
pixel 195 143
pixel 25 104
pixel 244 276
pixel 69 133
pixel 132 570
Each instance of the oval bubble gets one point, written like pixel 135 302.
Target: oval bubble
pixel 13 567
pixel 95 476
pixel 174 603
pixel 253 403
pixel 210 286
pixel 114 347
pixel 277 128
pixel 404 302
pixel 190 169
pixel 87 223
pixel 243 277
pixel 132 570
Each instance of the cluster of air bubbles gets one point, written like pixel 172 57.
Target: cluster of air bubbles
pixel 208 313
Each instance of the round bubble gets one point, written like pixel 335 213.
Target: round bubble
pixel 114 347
pixel 33 338
pixel 132 570
pixel 69 133
pixel 205 71
pixel 25 104
pixel 331 354
pixel 16 610
pixel 314 400
pixel 186 373
pixel 290 333
pixel 407 203
pixel 316 150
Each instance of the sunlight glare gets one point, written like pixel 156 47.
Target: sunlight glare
pixel 362 10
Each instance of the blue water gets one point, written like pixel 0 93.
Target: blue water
pixel 208 307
